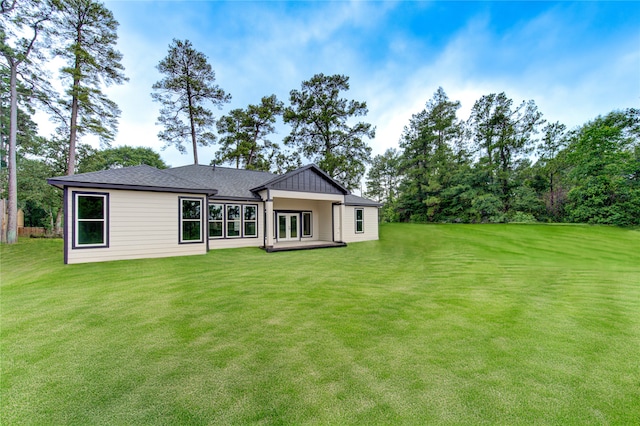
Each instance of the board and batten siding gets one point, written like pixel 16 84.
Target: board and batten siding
pixel 141 225
pixel 349 234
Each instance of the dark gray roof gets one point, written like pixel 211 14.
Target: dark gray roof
pixel 138 177
pixel 221 182
pixel 231 183
pixel 354 200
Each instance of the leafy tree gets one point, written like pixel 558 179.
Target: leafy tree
pixel 41 158
pixel 382 182
pixel 503 136
pixel 428 159
pixel 604 158
pixel 245 133
pixel 40 201
pixel 122 156
pixel 320 129
pixel 28 18
pixel 552 164
pixel 87 34
pixel 187 86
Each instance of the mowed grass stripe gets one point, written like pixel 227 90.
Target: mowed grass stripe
pixel 448 324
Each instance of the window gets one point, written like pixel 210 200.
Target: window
pixel 306 224
pixel 216 220
pixel 190 220
pixel 234 220
pixel 250 221
pixel 91 219
pixel 359 221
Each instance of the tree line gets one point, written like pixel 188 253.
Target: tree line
pixel 505 163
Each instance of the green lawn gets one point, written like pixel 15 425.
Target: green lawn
pixel 433 324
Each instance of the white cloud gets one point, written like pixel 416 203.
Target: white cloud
pixel 261 48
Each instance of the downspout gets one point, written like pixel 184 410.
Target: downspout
pixel 264 226
pixel 205 227
pixel 65 229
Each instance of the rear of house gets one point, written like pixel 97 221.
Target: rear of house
pixel 143 212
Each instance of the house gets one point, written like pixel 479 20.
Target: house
pixel 143 212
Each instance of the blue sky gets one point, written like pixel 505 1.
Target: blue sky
pixel 576 60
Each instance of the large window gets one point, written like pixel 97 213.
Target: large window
pixel 250 221
pixel 216 220
pixel 190 220
pixel 234 221
pixel 359 221
pixel 91 213
pixel 306 224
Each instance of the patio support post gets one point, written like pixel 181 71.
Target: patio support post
pixel 268 228
pixel 342 214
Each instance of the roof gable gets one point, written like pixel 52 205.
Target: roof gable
pixel 305 179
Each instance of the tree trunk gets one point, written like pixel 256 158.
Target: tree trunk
pixel 73 134
pixel 193 127
pixel 58 226
pixel 71 163
pixel 12 208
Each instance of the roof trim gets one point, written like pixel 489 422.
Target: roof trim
pixel 66 183
pixel 230 198
pixel 369 204
pixel 270 183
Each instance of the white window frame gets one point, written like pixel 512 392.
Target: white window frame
pixel 221 221
pixel 310 234
pixel 104 220
pixel 238 221
pixel 183 220
pixel 361 221
pixel 245 221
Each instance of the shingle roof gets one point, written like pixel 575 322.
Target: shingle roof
pixel 354 200
pixel 223 182
pixel 229 182
pixel 136 177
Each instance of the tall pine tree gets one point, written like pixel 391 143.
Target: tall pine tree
pixel 20 29
pixel 427 158
pixel 188 85
pixel 87 33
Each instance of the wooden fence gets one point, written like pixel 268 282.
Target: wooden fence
pixel 28 231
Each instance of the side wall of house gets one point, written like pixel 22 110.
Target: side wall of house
pixel 370 224
pixel 140 225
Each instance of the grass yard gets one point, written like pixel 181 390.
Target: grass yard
pixel 433 324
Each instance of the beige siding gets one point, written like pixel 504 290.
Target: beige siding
pixel 306 195
pixel 223 243
pixel 370 224
pixel 324 222
pixel 141 225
